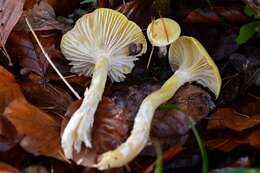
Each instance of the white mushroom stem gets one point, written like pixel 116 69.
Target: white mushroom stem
pixel 79 127
pixel 162 51
pixel 141 130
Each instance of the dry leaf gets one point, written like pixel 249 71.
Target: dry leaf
pixel 23 47
pixel 10 12
pixel 9 89
pixel 61 7
pixel 47 97
pixel 141 12
pixel 8 134
pixel 42 17
pixel 229 118
pixel 227 141
pixel 231 14
pixel 5 168
pixel 41 133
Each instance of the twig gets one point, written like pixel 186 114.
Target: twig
pixel 6 54
pixel 50 61
pixel 150 58
pixel 252 5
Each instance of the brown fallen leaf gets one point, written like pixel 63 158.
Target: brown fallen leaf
pixel 227 141
pixel 47 97
pixel 5 168
pixel 229 118
pixel 23 47
pixel 10 12
pixel 141 12
pixel 229 13
pixel 9 89
pixel 254 138
pixel 61 7
pixel 8 134
pixel 41 133
pixel 42 17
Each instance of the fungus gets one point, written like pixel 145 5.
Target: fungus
pixel 162 32
pixel 194 64
pixel 98 46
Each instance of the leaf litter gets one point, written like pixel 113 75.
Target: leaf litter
pixel 35 105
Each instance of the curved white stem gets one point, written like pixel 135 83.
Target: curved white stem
pixel 79 127
pixel 140 133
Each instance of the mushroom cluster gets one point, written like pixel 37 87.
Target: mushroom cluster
pixel 100 45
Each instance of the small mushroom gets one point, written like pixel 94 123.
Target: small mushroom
pixel 194 64
pixel 162 32
pixel 98 46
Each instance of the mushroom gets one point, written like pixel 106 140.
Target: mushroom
pixel 162 32
pixel 194 64
pixel 98 46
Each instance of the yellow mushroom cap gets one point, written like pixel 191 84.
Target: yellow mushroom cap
pixel 103 33
pixel 195 63
pixel 163 31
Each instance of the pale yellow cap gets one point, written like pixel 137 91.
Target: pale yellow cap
pixel 163 31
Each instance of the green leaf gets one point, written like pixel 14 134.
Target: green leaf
pixel 249 11
pixel 159 167
pixel 168 106
pixel 87 1
pixel 201 146
pixel 237 170
pixel 246 32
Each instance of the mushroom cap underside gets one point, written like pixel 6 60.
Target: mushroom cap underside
pixel 190 57
pixel 103 33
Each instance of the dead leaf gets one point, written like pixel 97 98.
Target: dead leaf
pixel 216 16
pixel 227 141
pixel 61 7
pixel 5 168
pixel 10 12
pixel 41 133
pixel 141 12
pixel 229 118
pixel 23 47
pixel 47 97
pixel 8 134
pixel 9 89
pixel 42 17
pixel 254 138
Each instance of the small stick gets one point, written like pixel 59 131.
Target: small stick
pixel 150 58
pixel 7 55
pixel 50 61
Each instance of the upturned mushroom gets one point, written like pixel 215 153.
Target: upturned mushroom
pixel 191 63
pixel 98 46
pixel 162 32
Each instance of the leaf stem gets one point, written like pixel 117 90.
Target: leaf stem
pixel 201 146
